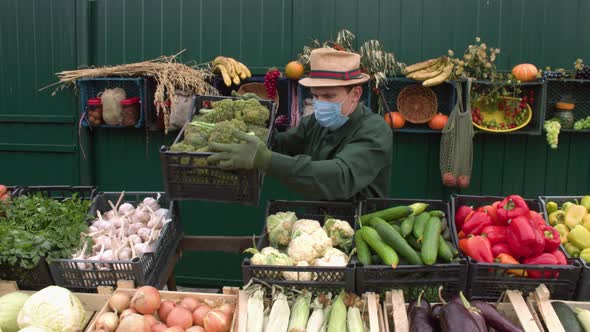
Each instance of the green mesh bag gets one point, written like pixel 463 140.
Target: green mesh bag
pixel 456 144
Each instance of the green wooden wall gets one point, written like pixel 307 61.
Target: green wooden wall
pixel 39 133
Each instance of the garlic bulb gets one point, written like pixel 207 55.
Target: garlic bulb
pixel 103 241
pixel 140 215
pixel 115 221
pixel 144 233
pixel 133 228
pixel 125 254
pixel 134 238
pixel 161 212
pixel 126 208
pixel 109 214
pixel 142 248
pixel 155 222
pixel 108 255
pixel 151 202
pixel 92 229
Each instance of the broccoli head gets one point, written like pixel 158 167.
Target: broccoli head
pixel 196 135
pixel 223 110
pixel 222 132
pixel 182 147
pixel 259 131
pixel 252 112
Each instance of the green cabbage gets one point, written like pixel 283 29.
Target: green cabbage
pixel 54 308
pixel 10 305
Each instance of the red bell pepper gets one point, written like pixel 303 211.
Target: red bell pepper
pixel 511 207
pixel 495 234
pixel 551 237
pixel 491 211
pixel 524 238
pixel 495 204
pixel 461 214
pixel 537 218
pixel 501 248
pixel 542 259
pixel 560 256
pixel 461 235
pixel 507 259
pixel 476 223
pixel 478 248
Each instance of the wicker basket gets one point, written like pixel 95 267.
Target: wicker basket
pixel 417 104
pixel 258 89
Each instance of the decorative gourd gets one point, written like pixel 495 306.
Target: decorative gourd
pixel 395 120
pixel 525 72
pixel 438 122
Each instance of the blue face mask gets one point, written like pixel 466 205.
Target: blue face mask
pixel 329 114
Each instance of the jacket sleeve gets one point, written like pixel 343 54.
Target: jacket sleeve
pixel 342 177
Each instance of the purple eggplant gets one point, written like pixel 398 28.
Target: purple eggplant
pixel 494 319
pixel 455 317
pixel 475 313
pixel 435 310
pixel 419 316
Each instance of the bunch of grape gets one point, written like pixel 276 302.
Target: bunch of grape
pixel 582 124
pixel 270 82
pixel 552 128
pixel 554 74
pixel 582 71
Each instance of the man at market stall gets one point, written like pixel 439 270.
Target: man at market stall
pixel 343 151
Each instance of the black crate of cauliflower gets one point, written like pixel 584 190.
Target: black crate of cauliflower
pixel 186 171
pixel 133 236
pixel 305 244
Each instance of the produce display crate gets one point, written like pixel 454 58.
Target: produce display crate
pixel 487 281
pixel 540 302
pixel 92 303
pixel 305 92
pixel 535 126
pixel 583 291
pixel 324 277
pixel 578 90
pixel 142 271
pixel 411 279
pixel 446 97
pixel 228 296
pixel 40 276
pixel 188 176
pixel 512 306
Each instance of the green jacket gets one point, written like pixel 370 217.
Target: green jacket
pixel 335 165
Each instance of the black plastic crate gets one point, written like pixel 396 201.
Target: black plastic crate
pixel 188 176
pixel 578 90
pixel 446 98
pixel 535 126
pixel 323 277
pixel 411 279
pixel 487 281
pixel 583 291
pixel 141 87
pixel 141 270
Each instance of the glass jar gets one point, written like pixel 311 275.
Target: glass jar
pixel 130 111
pixel 564 112
pixel 94 110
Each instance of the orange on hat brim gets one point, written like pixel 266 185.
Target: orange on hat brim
pixel 328 82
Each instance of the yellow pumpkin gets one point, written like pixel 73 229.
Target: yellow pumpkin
pixel 525 72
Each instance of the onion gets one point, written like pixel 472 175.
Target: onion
pixel 150 320
pixel 133 322
pixel 217 321
pixel 159 327
pixel 181 317
pixel 146 300
pixel 127 312
pixel 227 308
pixel 195 329
pixel 200 313
pixel 108 321
pixel 190 303
pixel 165 308
pixel 119 302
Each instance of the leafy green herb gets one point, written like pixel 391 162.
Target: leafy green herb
pixel 36 227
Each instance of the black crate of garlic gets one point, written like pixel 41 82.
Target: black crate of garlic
pixel 132 237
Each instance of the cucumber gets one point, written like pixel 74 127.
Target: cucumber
pixel 413 242
pixel 394 239
pixel 437 213
pixel 443 223
pixel 396 227
pixel 385 252
pixel 453 249
pixel 393 213
pixel 444 250
pixel 567 317
pixel 362 250
pixel 446 233
pixel 430 241
pixel 419 224
pixel 407 225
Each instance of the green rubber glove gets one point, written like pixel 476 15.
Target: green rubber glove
pixel 250 155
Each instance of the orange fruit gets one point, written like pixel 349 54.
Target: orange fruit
pixel 294 70
pixel 394 120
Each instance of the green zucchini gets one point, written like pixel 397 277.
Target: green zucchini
pixel 453 249
pixel 407 225
pixel 437 213
pixel 443 223
pixel 567 317
pixel 387 254
pixel 430 241
pixel 394 239
pixel 419 224
pixel 362 250
pixel 396 227
pixel 413 242
pixel 444 250
pixel 393 213
pixel 446 233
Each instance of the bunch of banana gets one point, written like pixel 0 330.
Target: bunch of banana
pixel 431 72
pixel 231 70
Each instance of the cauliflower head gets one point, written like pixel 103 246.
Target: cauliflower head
pixel 300 276
pixel 333 252
pixel 279 226
pixel 340 233
pixel 306 226
pixel 302 248
pixel 321 241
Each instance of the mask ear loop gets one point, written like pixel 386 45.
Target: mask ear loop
pixel 351 108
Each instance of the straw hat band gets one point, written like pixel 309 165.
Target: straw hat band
pixel 336 75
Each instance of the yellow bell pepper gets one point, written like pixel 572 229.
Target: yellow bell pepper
pixel 585 255
pixel 580 237
pixel 563 232
pixel 557 217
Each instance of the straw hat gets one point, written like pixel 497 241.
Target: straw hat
pixel 330 67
